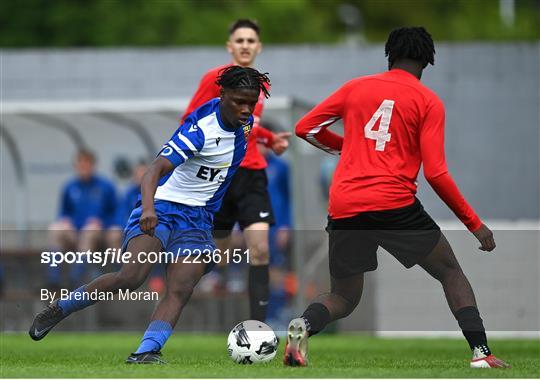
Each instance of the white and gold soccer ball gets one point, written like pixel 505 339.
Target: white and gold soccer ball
pixel 251 342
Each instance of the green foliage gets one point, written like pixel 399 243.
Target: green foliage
pixel 63 23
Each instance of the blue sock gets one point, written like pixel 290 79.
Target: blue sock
pixel 155 336
pixel 76 300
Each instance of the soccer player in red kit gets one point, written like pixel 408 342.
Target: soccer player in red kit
pixel 246 201
pixel 393 124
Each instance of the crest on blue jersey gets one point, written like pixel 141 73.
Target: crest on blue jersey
pixel 247 129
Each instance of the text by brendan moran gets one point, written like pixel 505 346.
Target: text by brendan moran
pixel 123 295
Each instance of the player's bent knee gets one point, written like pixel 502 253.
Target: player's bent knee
pixel 181 292
pixel 259 253
pixel 61 230
pixel 61 225
pixel 62 238
pixel 222 244
pixel 128 281
pixel 93 234
pixel 113 237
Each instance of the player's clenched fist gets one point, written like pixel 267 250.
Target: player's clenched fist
pixel 281 142
pixel 148 222
pixel 485 237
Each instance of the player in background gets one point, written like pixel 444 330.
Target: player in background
pixel 393 124
pixel 247 201
pixel 181 191
pixel 133 191
pixel 86 219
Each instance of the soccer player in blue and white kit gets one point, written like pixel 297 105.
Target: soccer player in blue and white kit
pixel 181 191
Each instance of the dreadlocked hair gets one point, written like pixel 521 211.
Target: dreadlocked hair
pixel 238 77
pixel 411 43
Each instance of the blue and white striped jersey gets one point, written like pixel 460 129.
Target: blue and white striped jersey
pixel 206 154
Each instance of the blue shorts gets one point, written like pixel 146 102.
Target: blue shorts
pixel 181 229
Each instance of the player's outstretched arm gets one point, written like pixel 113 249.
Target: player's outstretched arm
pixel 280 142
pixel 436 173
pixel 448 191
pixel 261 135
pixel 160 167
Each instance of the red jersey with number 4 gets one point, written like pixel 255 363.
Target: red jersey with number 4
pixel 209 89
pixel 393 124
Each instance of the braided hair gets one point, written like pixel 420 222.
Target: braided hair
pixel 238 77
pixel 410 43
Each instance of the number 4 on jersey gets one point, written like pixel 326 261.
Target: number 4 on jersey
pixel 381 136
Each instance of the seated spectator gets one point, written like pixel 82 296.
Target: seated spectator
pixel 132 193
pixel 87 218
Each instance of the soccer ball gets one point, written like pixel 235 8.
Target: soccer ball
pixel 252 342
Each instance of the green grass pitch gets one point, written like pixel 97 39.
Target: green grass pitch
pixel 189 355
